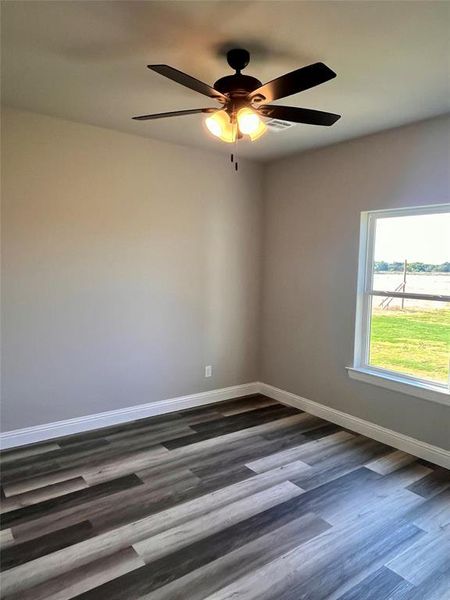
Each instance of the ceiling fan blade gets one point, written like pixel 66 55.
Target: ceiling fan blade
pixel 294 82
pixel 187 81
pixel 299 115
pixel 176 113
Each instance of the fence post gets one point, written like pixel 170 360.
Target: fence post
pixel 404 281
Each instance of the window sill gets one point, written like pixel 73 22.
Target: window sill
pixel 426 391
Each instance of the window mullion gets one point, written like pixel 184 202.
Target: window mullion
pixel 410 295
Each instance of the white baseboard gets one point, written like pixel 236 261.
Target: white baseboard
pixel 48 431
pixel 408 444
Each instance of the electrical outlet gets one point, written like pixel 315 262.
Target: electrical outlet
pixel 208 371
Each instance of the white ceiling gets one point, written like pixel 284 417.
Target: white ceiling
pixel 86 61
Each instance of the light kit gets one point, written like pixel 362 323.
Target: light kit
pixel 231 128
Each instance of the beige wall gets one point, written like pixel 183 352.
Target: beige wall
pixel 128 264
pixel 312 211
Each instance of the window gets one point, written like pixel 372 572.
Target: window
pixel 403 307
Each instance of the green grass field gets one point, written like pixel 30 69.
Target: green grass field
pixel 413 341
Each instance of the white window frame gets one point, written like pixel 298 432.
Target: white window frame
pixel 361 369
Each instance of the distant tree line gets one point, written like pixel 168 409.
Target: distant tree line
pixel 413 267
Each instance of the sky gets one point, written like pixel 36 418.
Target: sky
pixel 417 238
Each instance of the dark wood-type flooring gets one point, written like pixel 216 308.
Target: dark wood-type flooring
pixel 246 499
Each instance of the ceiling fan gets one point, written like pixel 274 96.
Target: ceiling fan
pixel 244 99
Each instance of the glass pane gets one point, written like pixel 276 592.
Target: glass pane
pixel 412 254
pixel 413 339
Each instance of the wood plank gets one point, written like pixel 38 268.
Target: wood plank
pixel 182 535
pixel 391 462
pixel 42 494
pixel 12 556
pixel 244 420
pixel 135 502
pixel 382 583
pixel 214 431
pixel 157 432
pixel 6 538
pixel 437 481
pixel 309 424
pixel 173 420
pixel 369 499
pixel 435 587
pixel 352 455
pixel 157 479
pixel 204 582
pixel 235 454
pixel 247 406
pixel 302 452
pixel 418 562
pixel 434 514
pixel 88 577
pixel 16 454
pixel 222 476
pixel 34 466
pixel 78 498
pixel 96 471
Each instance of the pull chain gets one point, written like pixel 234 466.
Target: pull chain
pixel 234 155
pixel 236 164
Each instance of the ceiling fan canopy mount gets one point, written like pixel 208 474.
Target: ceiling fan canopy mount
pixel 238 58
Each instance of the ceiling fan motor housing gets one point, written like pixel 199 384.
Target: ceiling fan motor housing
pixel 237 85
